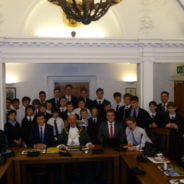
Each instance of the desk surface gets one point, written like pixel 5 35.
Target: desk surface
pixel 5 167
pixel 153 174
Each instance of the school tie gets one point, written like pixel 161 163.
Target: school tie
pixel 99 102
pixel 153 116
pixel 30 119
pixel 117 108
pixel 133 139
pixel 111 130
pixel 56 128
pixel 41 135
pixel 134 114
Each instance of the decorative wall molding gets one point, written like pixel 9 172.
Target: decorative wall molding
pixel 39 50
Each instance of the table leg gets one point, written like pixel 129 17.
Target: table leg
pixel 116 170
pixel 17 168
pixel 123 172
pixel 10 175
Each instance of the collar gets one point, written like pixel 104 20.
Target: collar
pixel 109 123
pixel 32 117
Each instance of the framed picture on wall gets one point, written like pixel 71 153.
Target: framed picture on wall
pixel 131 91
pixel 11 92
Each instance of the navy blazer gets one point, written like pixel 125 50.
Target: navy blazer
pixel 34 137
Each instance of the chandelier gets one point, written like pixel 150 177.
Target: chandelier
pixel 85 11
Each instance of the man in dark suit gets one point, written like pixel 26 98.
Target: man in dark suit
pixel 111 131
pixel 41 134
pixel 100 102
pixel 162 107
pixel 84 96
pixel 123 112
pixel 68 95
pixel 140 115
pixel 57 96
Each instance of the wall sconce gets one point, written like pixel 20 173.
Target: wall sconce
pixel 130 78
pixel 11 79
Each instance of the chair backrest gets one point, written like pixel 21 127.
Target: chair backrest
pixel 164 137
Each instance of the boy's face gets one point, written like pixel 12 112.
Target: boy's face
pixel 8 104
pixel 94 112
pixel 12 117
pixel 42 109
pixel 152 108
pixel 117 99
pixel 55 114
pixel 127 101
pixel 84 114
pixel 81 104
pixel 130 124
pixel 63 102
pixel 171 110
pixel 83 94
pixel 36 106
pixel 164 98
pixel 134 103
pixel 40 120
pixel 100 94
pixel 70 108
pixel 110 116
pixel 25 103
pixel 49 106
pixel 68 91
pixel 57 93
pixel 42 97
pixel 16 105
pixel 29 112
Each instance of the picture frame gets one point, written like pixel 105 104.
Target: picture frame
pixel 131 91
pixel 11 92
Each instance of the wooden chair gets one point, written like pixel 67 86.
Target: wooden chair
pixel 166 133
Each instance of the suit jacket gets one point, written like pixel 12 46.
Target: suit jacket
pixel 160 110
pixel 63 115
pixel 179 120
pixel 158 119
pixel 122 114
pixel 26 127
pixel 100 107
pixel 142 119
pixel 34 137
pixel 83 136
pixel 74 101
pixel 92 129
pixel 89 102
pixel 12 132
pixel 54 104
pixel 103 132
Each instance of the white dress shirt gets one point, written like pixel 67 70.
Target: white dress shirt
pixel 137 137
pixel 62 109
pixel 30 118
pixel 73 137
pixel 172 116
pixel 115 105
pixel 100 100
pixel 59 123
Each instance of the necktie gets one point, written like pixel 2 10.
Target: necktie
pixel 134 114
pixel 133 139
pixel 100 102
pixel 153 116
pixel 30 119
pixel 111 130
pixel 41 135
pixel 117 108
pixel 56 128
pixel 172 117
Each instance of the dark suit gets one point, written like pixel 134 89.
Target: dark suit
pixel 83 136
pixel 142 118
pixel 100 107
pixel 73 100
pixel 26 126
pixel 161 110
pixel 119 133
pixel 89 102
pixel 12 132
pixel 55 103
pixel 34 137
pixel 92 129
pixel 157 119
pixel 63 115
pixel 122 114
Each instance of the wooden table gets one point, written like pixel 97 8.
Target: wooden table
pixel 77 156
pixel 153 174
pixel 7 169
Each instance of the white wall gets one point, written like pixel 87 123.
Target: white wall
pixel 31 78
